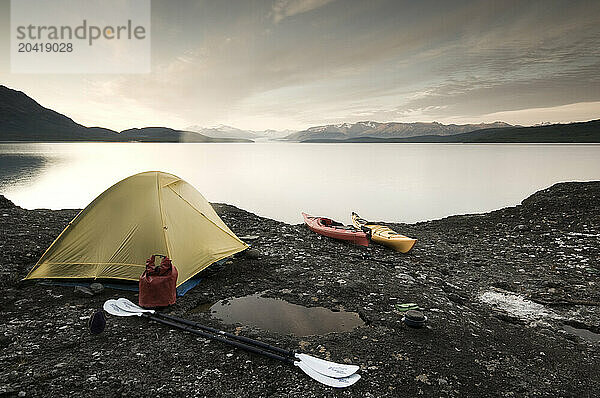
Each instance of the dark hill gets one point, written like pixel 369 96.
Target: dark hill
pixel 165 134
pixel 555 133
pixel 581 132
pixel 23 119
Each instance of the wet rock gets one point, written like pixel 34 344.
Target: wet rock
pixel 521 228
pixel 7 391
pixel 552 284
pixel 249 237
pixel 252 254
pixel 365 317
pixel 503 285
pixel 508 318
pixel 97 288
pixel 405 278
pixel 423 378
pixel 82 291
pixel 456 298
pixel 477 262
pixel 4 341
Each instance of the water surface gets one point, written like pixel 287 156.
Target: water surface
pixel 389 182
pixel 585 334
pixel 279 316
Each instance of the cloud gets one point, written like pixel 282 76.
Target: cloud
pixel 580 112
pixel 249 65
pixel 282 9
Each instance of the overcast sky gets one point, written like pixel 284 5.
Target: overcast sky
pixel 299 63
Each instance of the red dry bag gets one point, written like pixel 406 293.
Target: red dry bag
pixel 158 283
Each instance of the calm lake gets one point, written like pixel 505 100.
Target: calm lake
pixel 389 182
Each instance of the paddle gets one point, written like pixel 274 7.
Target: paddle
pixel 112 308
pixel 328 368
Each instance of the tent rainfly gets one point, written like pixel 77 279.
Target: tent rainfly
pixel 147 213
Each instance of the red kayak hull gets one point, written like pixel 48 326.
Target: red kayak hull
pixel 327 227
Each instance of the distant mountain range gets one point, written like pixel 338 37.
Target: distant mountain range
pixel 581 132
pixel 165 134
pixel 23 119
pixel 346 131
pixel 223 131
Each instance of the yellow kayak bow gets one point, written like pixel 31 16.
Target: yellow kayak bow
pixel 384 235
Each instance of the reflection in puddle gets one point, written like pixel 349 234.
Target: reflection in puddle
pixel 282 317
pixel 204 307
pixel 583 333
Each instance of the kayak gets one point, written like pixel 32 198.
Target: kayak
pixel 384 235
pixel 328 227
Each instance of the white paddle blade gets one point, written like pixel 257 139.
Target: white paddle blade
pixel 328 368
pixel 127 305
pixel 112 308
pixel 328 381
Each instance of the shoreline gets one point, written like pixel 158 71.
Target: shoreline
pixel 529 271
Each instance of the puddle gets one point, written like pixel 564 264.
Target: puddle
pixel 279 316
pixel 204 307
pixel 583 333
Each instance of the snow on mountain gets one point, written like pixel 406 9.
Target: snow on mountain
pixel 274 134
pixel 224 131
pixel 387 130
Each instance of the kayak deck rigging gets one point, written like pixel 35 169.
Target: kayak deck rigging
pixel 333 229
pixel 384 235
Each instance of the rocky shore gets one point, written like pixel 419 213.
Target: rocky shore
pixel 512 297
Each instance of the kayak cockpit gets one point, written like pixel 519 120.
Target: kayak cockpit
pixel 329 223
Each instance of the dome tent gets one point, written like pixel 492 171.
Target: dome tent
pixel 147 213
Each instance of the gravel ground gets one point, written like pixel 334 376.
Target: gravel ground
pixel 500 290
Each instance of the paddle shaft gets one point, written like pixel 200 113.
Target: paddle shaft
pixel 224 340
pixel 243 339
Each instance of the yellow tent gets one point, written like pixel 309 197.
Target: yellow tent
pixel 147 213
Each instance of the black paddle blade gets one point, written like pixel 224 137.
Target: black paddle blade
pixel 97 322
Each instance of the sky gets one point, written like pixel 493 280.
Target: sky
pixel 292 64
